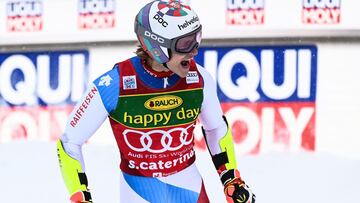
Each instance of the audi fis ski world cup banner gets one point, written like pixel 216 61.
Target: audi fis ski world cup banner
pixel 95 14
pixel 321 11
pixel 38 91
pixel 24 15
pixel 268 95
pixel 245 12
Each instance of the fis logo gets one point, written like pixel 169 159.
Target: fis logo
pixel 96 14
pixel 267 93
pixel 24 15
pixel 129 82
pixel 321 12
pixel 245 12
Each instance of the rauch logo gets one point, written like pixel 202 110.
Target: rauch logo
pixel 162 103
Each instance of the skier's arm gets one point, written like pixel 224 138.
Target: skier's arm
pixel 219 140
pixel 74 176
pixel 84 120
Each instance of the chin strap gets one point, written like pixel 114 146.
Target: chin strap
pixel 165 65
pixel 169 54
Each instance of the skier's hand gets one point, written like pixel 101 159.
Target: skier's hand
pixel 81 197
pixel 235 189
pixel 238 192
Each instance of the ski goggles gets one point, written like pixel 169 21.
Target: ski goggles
pixel 187 43
pixel 182 44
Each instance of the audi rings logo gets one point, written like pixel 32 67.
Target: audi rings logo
pixel 159 141
pixel 161 103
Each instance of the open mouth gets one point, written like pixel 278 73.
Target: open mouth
pixel 185 63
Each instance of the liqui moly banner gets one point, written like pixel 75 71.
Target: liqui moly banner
pixel 321 11
pixel 245 12
pixel 268 94
pixel 94 14
pixel 37 92
pixel 24 15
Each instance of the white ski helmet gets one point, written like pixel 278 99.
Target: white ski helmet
pixel 164 26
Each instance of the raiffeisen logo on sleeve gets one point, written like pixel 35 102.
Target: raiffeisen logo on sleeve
pixel 96 14
pixel 38 91
pixel 245 12
pixel 268 94
pixel 24 16
pixel 321 12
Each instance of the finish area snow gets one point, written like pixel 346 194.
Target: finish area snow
pixel 29 172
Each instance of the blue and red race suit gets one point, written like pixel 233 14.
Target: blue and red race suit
pixel 152 116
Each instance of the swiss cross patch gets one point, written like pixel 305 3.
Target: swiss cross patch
pixel 129 82
pixel 192 77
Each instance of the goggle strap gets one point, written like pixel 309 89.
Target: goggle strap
pixel 147 34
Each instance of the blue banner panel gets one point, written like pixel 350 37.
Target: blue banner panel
pixel 268 94
pixel 43 78
pixel 38 91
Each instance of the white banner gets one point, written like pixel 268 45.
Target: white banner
pixel 57 21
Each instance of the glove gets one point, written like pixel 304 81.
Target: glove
pixel 238 191
pixel 235 189
pixel 81 197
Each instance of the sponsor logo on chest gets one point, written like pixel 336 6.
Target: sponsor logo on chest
pixel 161 103
pixel 192 77
pixel 129 82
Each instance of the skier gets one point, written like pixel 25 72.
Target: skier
pixel 153 101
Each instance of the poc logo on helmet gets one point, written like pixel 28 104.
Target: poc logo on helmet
pixel 160 20
pixel 154 37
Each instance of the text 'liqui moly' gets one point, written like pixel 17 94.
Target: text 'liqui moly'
pixel 267 93
pixel 321 11
pixel 37 92
pixel 24 15
pixel 96 14
pixel 245 12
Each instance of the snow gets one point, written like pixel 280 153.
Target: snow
pixel 29 172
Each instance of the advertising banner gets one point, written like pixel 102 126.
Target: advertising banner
pixel 24 16
pixel 245 12
pixel 82 21
pixel 95 14
pixel 268 94
pixel 37 92
pixel 321 12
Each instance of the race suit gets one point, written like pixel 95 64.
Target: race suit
pixel 152 116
